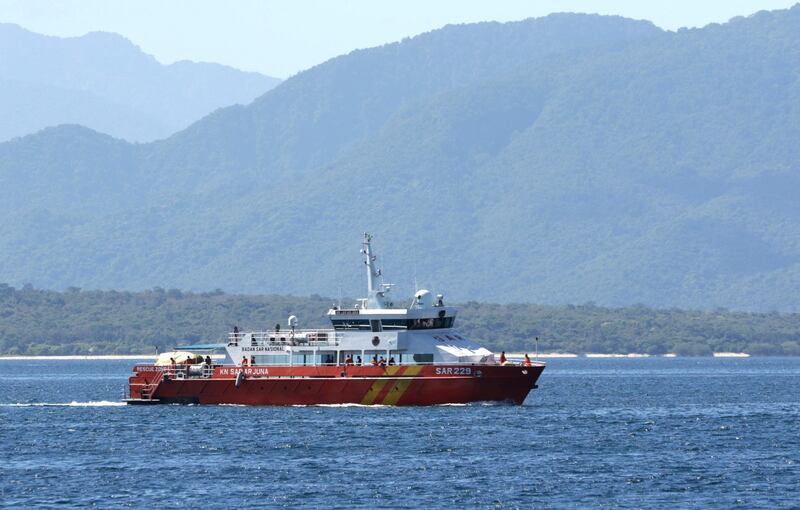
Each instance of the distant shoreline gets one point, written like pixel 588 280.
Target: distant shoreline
pixel 548 355
pixel 80 357
pixel 618 355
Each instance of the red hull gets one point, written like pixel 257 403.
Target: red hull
pixel 367 385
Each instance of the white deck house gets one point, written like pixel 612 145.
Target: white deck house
pixel 423 333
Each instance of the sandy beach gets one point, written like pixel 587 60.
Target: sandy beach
pixel 548 355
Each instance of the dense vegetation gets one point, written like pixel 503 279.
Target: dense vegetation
pixel 105 322
pixel 565 159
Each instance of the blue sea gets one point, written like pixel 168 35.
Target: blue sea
pixel 598 433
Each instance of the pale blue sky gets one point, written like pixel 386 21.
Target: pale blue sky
pixel 282 37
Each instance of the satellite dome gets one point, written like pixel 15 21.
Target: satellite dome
pixel 423 298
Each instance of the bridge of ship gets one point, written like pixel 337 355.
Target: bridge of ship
pixel 421 333
pixel 409 336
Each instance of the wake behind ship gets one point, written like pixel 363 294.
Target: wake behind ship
pixel 374 353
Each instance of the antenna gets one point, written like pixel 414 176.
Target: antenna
pixel 376 289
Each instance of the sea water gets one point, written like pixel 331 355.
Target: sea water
pixel 599 433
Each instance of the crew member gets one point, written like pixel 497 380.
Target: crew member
pixel 374 361
pixel 358 361
pixel 527 361
pixel 382 362
pixel 503 358
pixel 348 360
pixel 391 360
pixel 244 361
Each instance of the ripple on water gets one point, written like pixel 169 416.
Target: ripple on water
pixel 609 433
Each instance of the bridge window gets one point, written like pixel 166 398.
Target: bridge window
pixel 351 324
pixel 390 324
pixel 432 323
pixel 393 324
pixel 437 323
pixel 423 358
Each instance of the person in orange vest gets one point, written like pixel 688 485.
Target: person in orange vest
pixel 348 360
pixel 527 360
pixel 503 358
pixel 374 360
pixel 244 361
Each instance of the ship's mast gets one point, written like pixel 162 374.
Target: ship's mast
pixel 376 290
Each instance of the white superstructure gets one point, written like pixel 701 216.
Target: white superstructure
pixel 374 327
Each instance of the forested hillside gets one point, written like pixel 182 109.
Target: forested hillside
pixel 565 159
pixel 103 81
pixel 110 322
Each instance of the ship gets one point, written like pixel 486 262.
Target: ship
pixel 374 353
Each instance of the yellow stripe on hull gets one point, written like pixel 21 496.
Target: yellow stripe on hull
pixel 377 386
pixel 401 386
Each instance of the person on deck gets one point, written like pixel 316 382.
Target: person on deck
pixel 503 358
pixel 374 361
pixel 527 361
pixel 391 360
pixel 244 361
pixel 208 360
pixel 358 361
pixel 348 360
pixel 382 362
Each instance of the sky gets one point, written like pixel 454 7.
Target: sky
pixel 282 37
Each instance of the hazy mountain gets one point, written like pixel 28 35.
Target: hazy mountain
pixel 101 80
pixel 571 158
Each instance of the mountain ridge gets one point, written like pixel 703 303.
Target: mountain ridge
pixel 119 89
pixel 614 171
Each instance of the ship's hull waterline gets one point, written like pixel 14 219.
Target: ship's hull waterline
pixel 406 385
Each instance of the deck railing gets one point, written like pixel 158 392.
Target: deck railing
pixel 313 337
pixel 182 371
